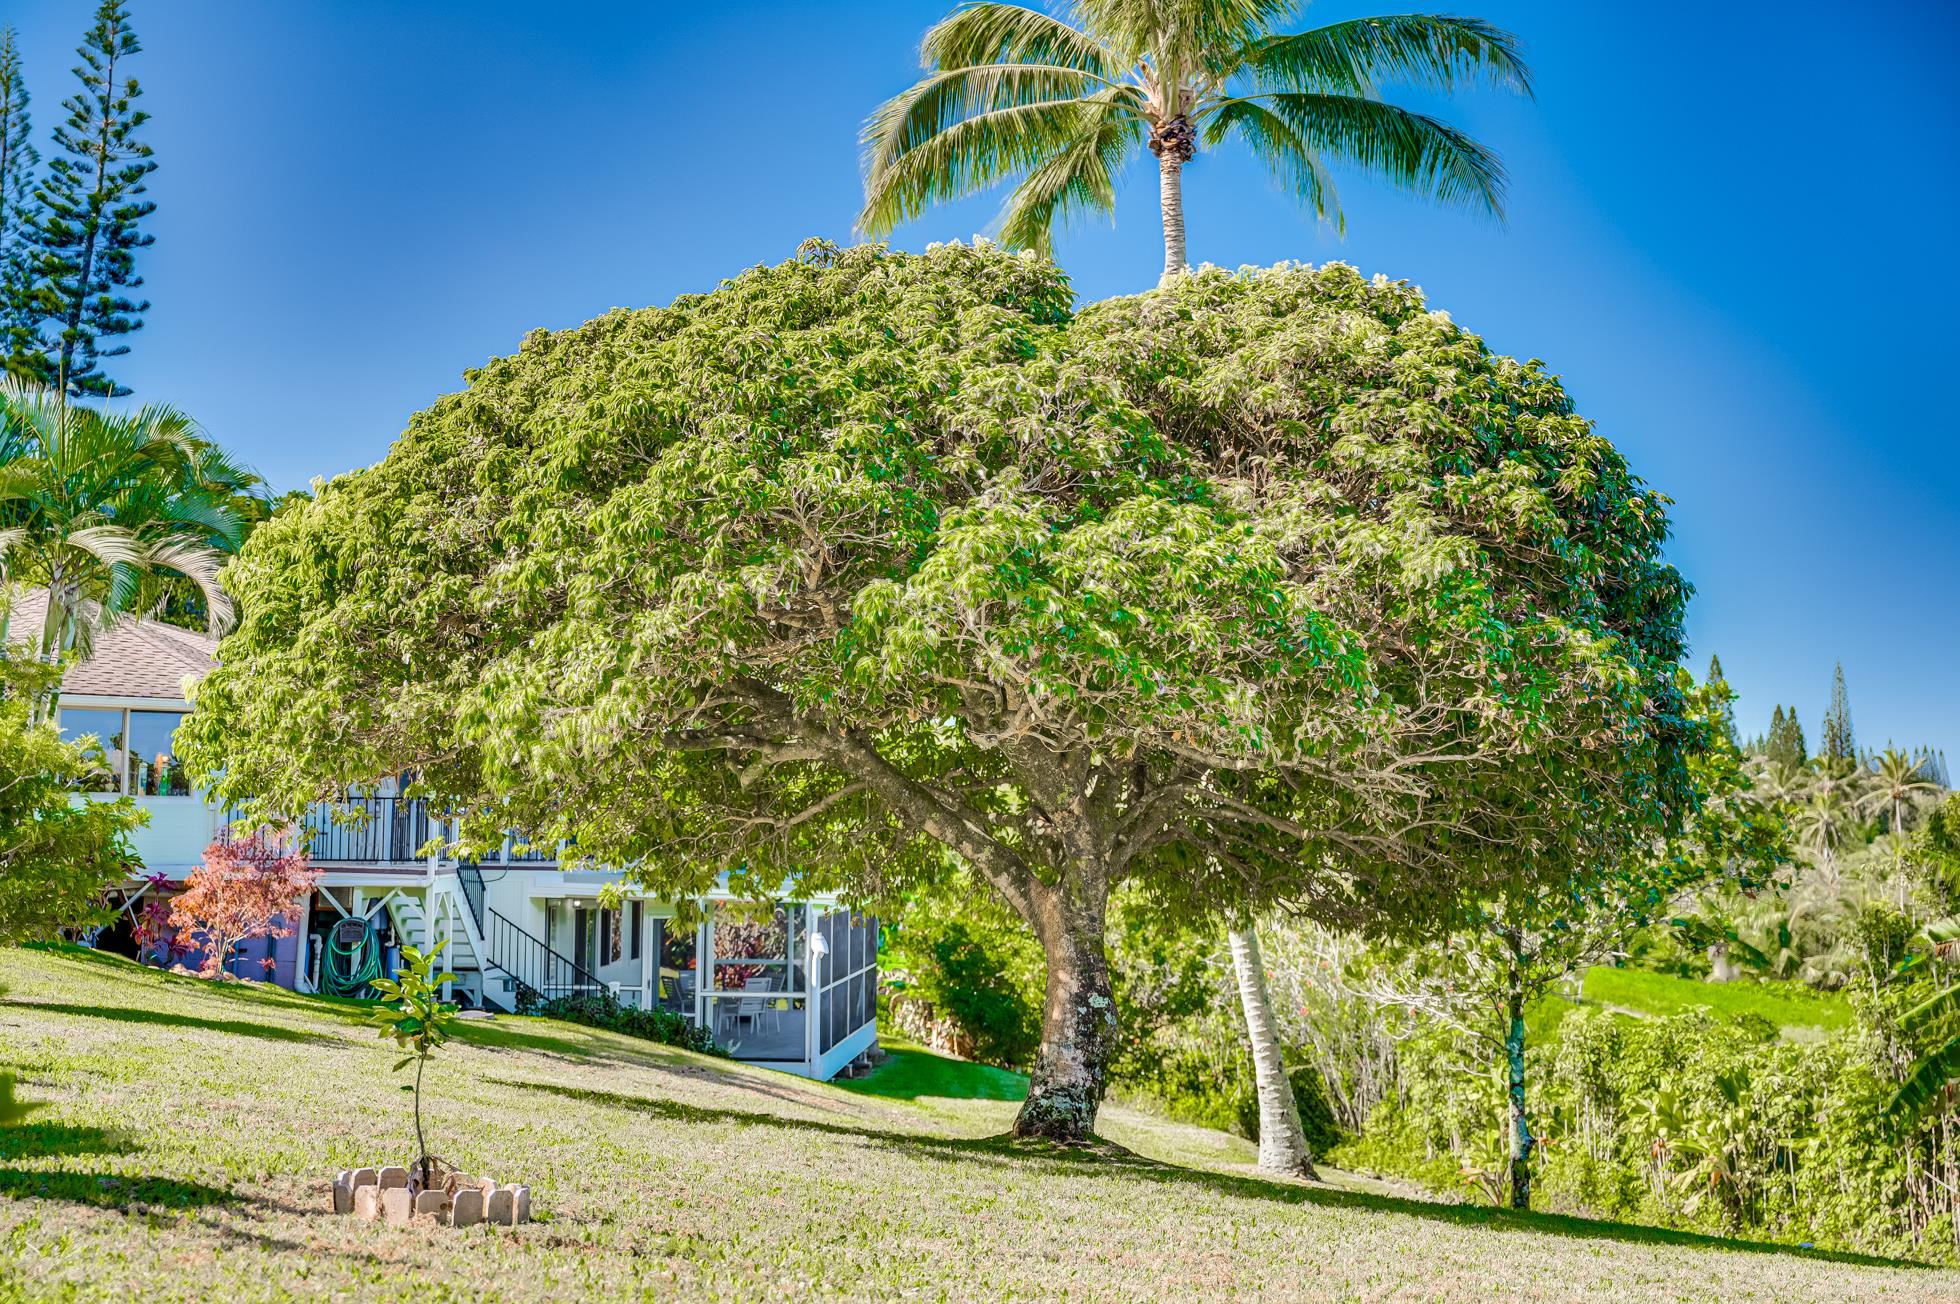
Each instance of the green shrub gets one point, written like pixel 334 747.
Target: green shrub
pixel 1691 1120
pixel 603 1010
pixel 971 986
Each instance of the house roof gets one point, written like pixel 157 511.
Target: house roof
pixel 138 657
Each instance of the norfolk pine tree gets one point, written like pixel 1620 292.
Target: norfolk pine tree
pixel 1836 742
pixel 19 342
pixel 88 224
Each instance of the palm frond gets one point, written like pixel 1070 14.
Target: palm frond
pixel 112 545
pixel 1435 51
pixel 1077 180
pixel 970 156
pixel 1408 149
pixel 199 563
pixel 1187 39
pixel 1283 152
pixel 976 34
pixel 942 100
pixel 1943 1002
pixel 1926 1084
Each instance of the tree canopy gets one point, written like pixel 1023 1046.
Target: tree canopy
pixel 1274 587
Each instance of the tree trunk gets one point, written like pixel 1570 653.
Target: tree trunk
pixel 1174 143
pixel 1722 969
pixel 1078 1019
pixel 1521 1138
pixel 421 1146
pixel 1282 1142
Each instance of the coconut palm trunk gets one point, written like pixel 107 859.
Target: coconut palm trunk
pixel 1174 143
pixel 1282 1141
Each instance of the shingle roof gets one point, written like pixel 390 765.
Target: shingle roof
pixel 134 658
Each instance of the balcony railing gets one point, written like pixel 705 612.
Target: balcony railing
pixel 365 830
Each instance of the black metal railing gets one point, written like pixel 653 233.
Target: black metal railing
pixel 539 973
pixel 367 830
pixel 363 831
pixel 470 879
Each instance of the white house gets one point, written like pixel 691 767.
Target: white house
pixel 789 984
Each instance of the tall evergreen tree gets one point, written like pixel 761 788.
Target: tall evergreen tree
pixel 88 227
pixel 1724 697
pixel 1786 741
pixel 1837 742
pixel 19 354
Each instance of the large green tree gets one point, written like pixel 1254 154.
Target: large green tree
pixel 1266 588
pixel 18 159
pixel 1061 103
pixel 89 213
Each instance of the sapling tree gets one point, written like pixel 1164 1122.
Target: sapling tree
pixel 1533 933
pixel 1264 588
pixel 415 1015
pixel 248 885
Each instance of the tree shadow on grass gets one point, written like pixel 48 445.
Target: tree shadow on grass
pixel 124 969
pixel 651 1057
pixel 158 1018
pixel 110 1190
pixel 1103 1158
pixel 41 1140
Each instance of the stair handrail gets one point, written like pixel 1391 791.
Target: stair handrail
pixel 549 973
pixel 470 878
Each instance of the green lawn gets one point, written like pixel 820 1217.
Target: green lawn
pixel 1787 1005
pixel 192 1130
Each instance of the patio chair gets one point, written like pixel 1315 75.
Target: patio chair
pixel 763 1005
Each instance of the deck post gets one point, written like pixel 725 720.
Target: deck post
pixel 649 991
pixel 813 1003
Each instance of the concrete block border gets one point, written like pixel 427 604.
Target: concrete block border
pixel 463 1200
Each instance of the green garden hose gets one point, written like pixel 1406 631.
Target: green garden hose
pixel 349 969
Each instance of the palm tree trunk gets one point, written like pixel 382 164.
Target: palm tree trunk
pixel 1175 143
pixel 1170 179
pixel 1282 1142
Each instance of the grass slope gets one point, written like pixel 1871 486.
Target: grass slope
pixel 1787 1005
pixel 191 1130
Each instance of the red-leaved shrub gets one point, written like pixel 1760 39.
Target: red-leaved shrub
pixel 250 885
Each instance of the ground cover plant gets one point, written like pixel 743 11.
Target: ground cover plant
pixel 190 1130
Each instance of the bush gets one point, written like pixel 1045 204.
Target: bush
pixel 1691 1120
pixel 603 1010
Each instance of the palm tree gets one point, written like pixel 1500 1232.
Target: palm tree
pixel 1282 1141
pixel 106 510
pixel 1897 779
pixel 1820 826
pixel 1063 102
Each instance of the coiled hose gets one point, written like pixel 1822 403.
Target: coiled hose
pixel 348 970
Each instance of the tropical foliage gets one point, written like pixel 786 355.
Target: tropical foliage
pixel 114 513
pixel 57 853
pixel 1061 103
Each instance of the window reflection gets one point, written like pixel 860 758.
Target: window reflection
pixel 154 770
pixel 105 726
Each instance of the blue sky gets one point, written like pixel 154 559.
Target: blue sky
pixel 1731 231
